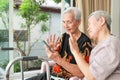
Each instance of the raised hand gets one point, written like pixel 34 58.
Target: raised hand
pixel 54 42
pixel 73 44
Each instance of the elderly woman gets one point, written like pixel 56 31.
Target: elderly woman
pixel 105 56
pixel 64 60
pixel 63 64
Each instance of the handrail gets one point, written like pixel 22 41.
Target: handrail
pixel 6 48
pixel 26 58
pixel 21 63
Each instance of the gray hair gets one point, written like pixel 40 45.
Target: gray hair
pixel 104 14
pixel 76 11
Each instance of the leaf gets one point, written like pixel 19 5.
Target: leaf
pixel 44 28
pixel 31 12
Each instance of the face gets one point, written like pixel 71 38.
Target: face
pixel 69 23
pixel 93 27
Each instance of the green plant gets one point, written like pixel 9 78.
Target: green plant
pixel 4 12
pixel 4 36
pixel 3 64
pixel 4 18
pixel 37 63
pixel 32 14
pixel 34 65
pixel 17 66
pixel 57 1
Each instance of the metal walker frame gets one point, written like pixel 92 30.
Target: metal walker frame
pixel 24 58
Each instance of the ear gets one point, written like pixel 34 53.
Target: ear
pixel 102 20
pixel 78 22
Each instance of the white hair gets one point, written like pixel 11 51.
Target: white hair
pixel 104 14
pixel 76 11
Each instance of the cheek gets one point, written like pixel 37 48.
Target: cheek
pixel 92 32
pixel 74 28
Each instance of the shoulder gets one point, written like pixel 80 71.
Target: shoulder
pixel 84 42
pixel 65 36
pixel 110 42
pixel 113 43
pixel 84 38
pixel 114 39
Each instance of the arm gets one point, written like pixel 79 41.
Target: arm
pixel 83 65
pixel 54 55
pixel 72 68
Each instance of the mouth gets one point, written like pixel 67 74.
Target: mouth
pixel 68 30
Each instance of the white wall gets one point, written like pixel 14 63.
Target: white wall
pixel 115 15
pixel 55 23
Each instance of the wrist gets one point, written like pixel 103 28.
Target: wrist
pixel 58 59
pixel 76 52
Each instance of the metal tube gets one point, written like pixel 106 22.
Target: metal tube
pixel 25 58
pixel 21 63
pixel 9 66
pixel 10 27
pixel 47 67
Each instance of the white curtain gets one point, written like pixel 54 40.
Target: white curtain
pixel 88 6
pixel 115 14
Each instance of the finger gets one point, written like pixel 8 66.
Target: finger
pixel 53 38
pixel 48 49
pixel 58 39
pixel 50 39
pixel 70 41
pixel 57 48
pixel 71 37
pixel 47 40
